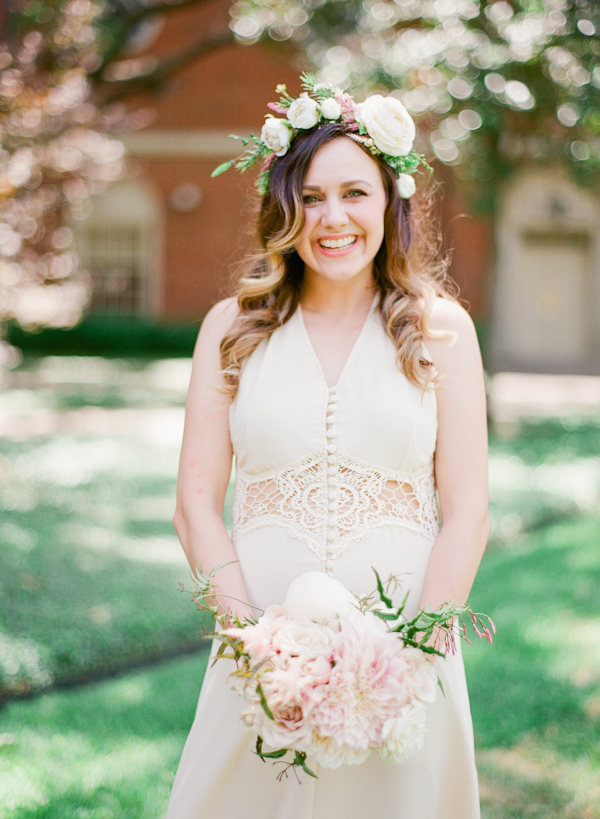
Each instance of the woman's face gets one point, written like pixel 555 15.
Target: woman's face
pixel 344 206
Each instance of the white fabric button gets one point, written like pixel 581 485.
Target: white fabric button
pixel 330 535
pixel 329 565
pixel 332 398
pixel 332 470
pixel 330 418
pixel 332 507
pixel 329 573
pixel 330 433
pixel 331 459
pixel 331 448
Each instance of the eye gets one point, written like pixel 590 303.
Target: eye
pixel 310 198
pixel 354 193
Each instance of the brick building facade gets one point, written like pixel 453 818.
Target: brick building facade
pixel 183 234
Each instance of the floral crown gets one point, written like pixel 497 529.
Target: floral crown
pixel 381 124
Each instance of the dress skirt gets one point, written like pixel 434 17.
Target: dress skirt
pixel 219 776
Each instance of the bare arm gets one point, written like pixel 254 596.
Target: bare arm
pixel 205 465
pixel 460 460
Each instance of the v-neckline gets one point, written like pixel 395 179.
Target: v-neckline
pixel 350 354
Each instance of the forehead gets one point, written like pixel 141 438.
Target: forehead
pixel 339 160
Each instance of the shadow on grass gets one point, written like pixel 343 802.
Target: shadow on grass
pixel 105 751
pixel 544 668
pixel 513 795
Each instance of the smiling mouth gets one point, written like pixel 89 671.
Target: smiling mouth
pixel 338 244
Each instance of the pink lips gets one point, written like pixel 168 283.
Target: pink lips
pixel 337 251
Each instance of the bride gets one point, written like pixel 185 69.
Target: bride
pixel 347 382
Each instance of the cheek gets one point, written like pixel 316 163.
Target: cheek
pixel 376 224
pixel 303 243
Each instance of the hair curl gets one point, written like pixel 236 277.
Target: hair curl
pixel 408 269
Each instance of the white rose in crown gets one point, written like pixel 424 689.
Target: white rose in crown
pixel 276 135
pixel 406 185
pixel 319 597
pixel 331 109
pixel 304 112
pixel 388 123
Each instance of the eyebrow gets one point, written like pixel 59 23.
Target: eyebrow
pixel 343 185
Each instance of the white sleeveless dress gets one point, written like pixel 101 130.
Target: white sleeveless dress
pixel 339 480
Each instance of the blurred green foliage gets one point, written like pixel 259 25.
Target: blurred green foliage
pixel 108 335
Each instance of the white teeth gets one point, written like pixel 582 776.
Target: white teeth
pixel 334 244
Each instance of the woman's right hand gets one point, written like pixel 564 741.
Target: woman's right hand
pixel 205 465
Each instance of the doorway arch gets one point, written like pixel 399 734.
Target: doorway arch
pixel 546 315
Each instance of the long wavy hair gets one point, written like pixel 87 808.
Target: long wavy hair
pixel 408 269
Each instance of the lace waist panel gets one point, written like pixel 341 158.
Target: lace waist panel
pixel 329 502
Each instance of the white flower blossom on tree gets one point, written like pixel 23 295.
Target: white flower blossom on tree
pixel 499 83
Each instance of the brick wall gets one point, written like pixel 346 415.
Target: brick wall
pixel 228 89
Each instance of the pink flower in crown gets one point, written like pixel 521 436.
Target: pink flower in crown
pixel 268 162
pixel 347 103
pixel 348 110
pixel 366 686
pixel 279 109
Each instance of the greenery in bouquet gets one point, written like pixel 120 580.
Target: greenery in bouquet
pixel 333 676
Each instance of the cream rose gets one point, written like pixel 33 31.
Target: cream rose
pixel 319 597
pixel 276 135
pixel 304 112
pixel 420 676
pixel 289 728
pixel 404 736
pixel 406 185
pixel 388 123
pixel 304 638
pixel 331 109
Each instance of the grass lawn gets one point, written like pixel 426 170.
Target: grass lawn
pixel 89 568
pixel 90 563
pixel 109 750
pixel 104 751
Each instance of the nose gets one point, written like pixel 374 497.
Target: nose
pixel 334 216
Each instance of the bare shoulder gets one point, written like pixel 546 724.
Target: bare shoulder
pixel 221 316
pixel 452 340
pixel 448 316
pixel 216 323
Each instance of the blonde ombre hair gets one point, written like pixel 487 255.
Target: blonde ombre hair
pixel 408 269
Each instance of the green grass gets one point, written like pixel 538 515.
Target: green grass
pixel 89 568
pixel 536 693
pixel 90 561
pixel 104 751
pixel 111 749
pixel 90 564
pixel 542 470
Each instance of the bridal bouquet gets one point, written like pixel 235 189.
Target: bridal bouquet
pixel 336 677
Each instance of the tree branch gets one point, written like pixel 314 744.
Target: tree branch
pixel 167 67
pixel 127 18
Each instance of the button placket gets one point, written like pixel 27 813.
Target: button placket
pixel 332 479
